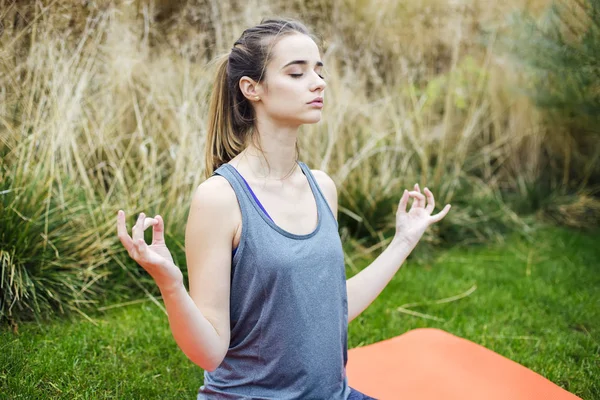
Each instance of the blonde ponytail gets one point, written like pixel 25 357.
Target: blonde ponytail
pixel 222 143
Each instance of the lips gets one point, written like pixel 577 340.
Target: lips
pixel 317 101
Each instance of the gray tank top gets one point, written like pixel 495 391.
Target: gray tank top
pixel 288 308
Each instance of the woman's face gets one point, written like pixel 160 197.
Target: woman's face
pixel 292 93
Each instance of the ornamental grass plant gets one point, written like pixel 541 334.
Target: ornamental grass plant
pixel 103 106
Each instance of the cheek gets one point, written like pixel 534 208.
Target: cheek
pixel 285 89
pixel 285 97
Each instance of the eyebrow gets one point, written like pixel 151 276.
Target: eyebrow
pixel 302 62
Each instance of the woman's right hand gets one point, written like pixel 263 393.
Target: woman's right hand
pixel 156 258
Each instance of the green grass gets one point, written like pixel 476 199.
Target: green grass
pixel 537 303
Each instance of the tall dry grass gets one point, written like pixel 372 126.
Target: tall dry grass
pixel 103 106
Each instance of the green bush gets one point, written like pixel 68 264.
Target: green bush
pixel 560 53
pixel 50 254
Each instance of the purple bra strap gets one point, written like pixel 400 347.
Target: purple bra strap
pixel 255 198
pixel 257 202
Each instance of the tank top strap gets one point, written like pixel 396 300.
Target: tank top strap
pixel 240 192
pixel 323 204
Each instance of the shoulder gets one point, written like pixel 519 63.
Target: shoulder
pixel 325 182
pixel 328 188
pixel 214 212
pixel 216 194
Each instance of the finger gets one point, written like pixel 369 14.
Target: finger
pixel 158 232
pixel 148 222
pixel 141 248
pixel 439 216
pixel 122 231
pixel 403 201
pixel 418 190
pixel 419 200
pixel 430 201
pixel 138 232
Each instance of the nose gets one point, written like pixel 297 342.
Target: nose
pixel 318 84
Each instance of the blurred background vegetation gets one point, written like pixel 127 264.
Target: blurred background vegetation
pixel 494 106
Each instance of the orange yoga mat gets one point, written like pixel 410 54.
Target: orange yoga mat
pixel 428 363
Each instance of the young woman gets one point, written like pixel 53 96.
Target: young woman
pixel 268 307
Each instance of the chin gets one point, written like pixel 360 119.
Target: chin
pixel 313 119
pixel 303 119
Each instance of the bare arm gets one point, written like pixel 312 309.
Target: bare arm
pixel 208 241
pixel 195 335
pixel 199 320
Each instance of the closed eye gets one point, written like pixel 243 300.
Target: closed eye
pixel 299 75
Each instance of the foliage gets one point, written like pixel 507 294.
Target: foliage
pixel 103 107
pixel 562 56
pixel 50 259
pixel 560 53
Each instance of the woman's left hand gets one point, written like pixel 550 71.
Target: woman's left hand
pixel 411 225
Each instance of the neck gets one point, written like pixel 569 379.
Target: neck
pixel 275 159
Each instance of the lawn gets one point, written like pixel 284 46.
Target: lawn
pixel 536 302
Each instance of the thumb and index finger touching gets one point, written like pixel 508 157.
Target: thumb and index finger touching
pixel 138 229
pixel 418 197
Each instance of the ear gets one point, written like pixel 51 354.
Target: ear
pixel 250 88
